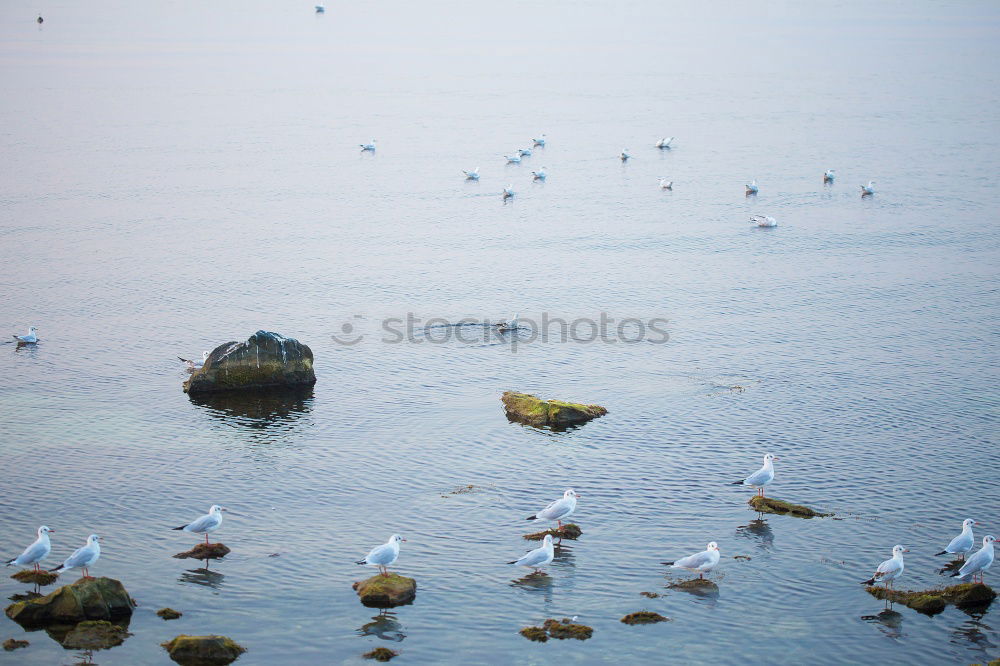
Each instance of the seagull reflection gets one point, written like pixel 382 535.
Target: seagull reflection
pixel 759 531
pixel 384 626
pixel 889 622
pixel 974 632
pixel 203 576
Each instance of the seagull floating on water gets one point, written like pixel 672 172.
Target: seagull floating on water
pixel 384 555
pixel 210 522
pixel 29 339
pixel 510 325
pixel 761 477
pixel 559 509
pixel 472 175
pixel 752 187
pixel 194 365
pixel 82 558
pixel 889 570
pixel 539 557
pixel 508 192
pixel 624 157
pixel 979 562
pixel 539 175
pixel 524 152
pixel 869 189
pixel 370 147
pixel 515 158
pixel 666 184
pixel 828 176
pixel 664 143
pixel 539 142
pixel 36 552
pixel 763 221
pixel 962 544
pixel 320 9
pixel 700 563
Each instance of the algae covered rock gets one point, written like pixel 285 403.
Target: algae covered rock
pixel 644 617
pixel 536 634
pixel 567 531
pixel 37 577
pixel 782 508
pixel 205 551
pixel 567 629
pixel 94 635
pixel 265 360
pixel 169 613
pixel 386 591
pixel 932 602
pixel 380 654
pixel 203 650
pixel 12 644
pixel 86 599
pixel 534 411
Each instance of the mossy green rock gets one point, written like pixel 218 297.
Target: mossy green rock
pixel 567 629
pixel 95 635
pixel 386 591
pixel 205 551
pixel 931 602
pixel 86 599
pixel 534 411
pixel 380 654
pixel 782 508
pixel 169 613
pixel 203 650
pixel 567 531
pixel 266 360
pixel 37 577
pixel 644 617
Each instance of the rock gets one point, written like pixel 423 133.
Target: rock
pixel 12 644
pixel 203 551
pixel 650 595
pixel 535 634
pixel 567 531
pixel 380 654
pixel 552 628
pixel 556 414
pixel 386 591
pixel 932 602
pixel 86 599
pixel 780 507
pixel 203 650
pixel 742 558
pixel 37 577
pixel 700 587
pixel 94 635
pixel 644 617
pixel 169 613
pixel 265 360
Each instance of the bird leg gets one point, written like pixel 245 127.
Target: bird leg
pixel 206 538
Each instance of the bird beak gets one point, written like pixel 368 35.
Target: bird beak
pixel 906 550
pixel 404 539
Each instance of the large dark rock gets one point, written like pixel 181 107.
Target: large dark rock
pixel 86 599
pixel 534 411
pixel 203 650
pixel 386 591
pixel 205 551
pixel 266 360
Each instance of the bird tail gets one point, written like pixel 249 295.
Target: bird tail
pixel 57 569
pixel 532 518
pixel 956 574
pixel 870 581
pixel 737 483
pixel 941 553
pixel 178 528
pixel 512 562
pixel 185 360
pixel 361 562
pixel 669 564
pixel 10 562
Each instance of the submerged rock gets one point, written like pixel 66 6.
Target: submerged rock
pixel 700 587
pixel 650 595
pixel 37 577
pixel 644 617
pixel 169 613
pixel 567 531
pixel 386 591
pixel 932 602
pixel 782 508
pixel 534 411
pixel 205 551
pixel 86 599
pixel 566 629
pixel 535 634
pixel 380 654
pixel 203 650
pixel 94 635
pixel 12 644
pixel 265 360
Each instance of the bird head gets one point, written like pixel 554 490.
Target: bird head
pixel 44 529
pixel 712 546
pixel 988 539
pixel 93 538
pixel 548 540
pixel 968 522
pixel 395 538
pixel 204 355
pixel 570 493
pixel 768 457
pixel 899 550
pixel 216 508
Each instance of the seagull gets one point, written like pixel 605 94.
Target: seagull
pixel 194 365
pixel 40 20
pixel 514 159
pixel 539 142
pixel 82 557
pixel 508 192
pixel 752 187
pixel 384 555
pixel 763 221
pixel 559 509
pixel 471 175
pixel 210 522
pixel 889 570
pixel 869 189
pixel 370 147
pixel 701 563
pixel 36 552
pixel 624 157
pixel 666 184
pixel 979 562
pixel 538 557
pixel 962 544
pixel 539 175
pixel 510 325
pixel 29 339
pixel 761 477
pixel 828 176
pixel 664 143
pixel 524 152
pixel 320 9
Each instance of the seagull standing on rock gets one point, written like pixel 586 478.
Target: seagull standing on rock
pixel 83 557
pixel 210 522
pixel 369 147
pixel 666 184
pixel 889 570
pixel 539 557
pixel 36 552
pixel 763 221
pixel 472 175
pixel 752 187
pixel 515 158
pixel 559 509
pixel 524 152
pixel 761 477
pixel 539 175
pixel 194 365
pixel 869 189
pixel 664 144
pixel 979 562
pixel 700 563
pixel 384 555
pixel 828 176
pixel 539 142
pixel 29 339
pixel 962 544
pixel 624 157
pixel 508 192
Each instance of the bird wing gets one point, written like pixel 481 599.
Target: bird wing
pixel 974 564
pixel 206 522
pixel 693 561
pixel 533 557
pixel 80 557
pixel 33 553
pixel 555 510
pixel 380 554
pixel 887 567
pixel 760 476
pixel 960 544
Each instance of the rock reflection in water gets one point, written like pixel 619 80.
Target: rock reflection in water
pixel 384 626
pixel 259 409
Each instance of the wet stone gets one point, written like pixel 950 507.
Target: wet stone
pixel 386 591
pixel 380 654
pixel 644 617
pixel 169 613
pixel 567 531
pixel 210 551
pixel 37 577
pixel 783 508
pixel 203 650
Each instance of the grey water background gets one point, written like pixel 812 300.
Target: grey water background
pixel 177 175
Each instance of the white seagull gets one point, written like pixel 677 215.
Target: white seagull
pixel 539 175
pixel 320 9
pixel 514 159
pixel 384 555
pixel 559 509
pixel 508 192
pixel 763 221
pixel 210 522
pixel 666 184
pixel 889 570
pixel 539 142
pixel 979 562
pixel 624 157
pixel 828 176
pixel 761 477
pixel 524 152
pixel 700 563
pixel 752 187
pixel 36 552
pixel 962 544
pixel 869 189
pixel 370 147
pixel 82 557
pixel 664 143
pixel 538 557
pixel 509 325
pixel 194 365
pixel 472 175
pixel 29 339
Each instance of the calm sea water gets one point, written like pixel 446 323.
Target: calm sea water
pixel 177 175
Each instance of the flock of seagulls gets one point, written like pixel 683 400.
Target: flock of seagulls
pixel 558 510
